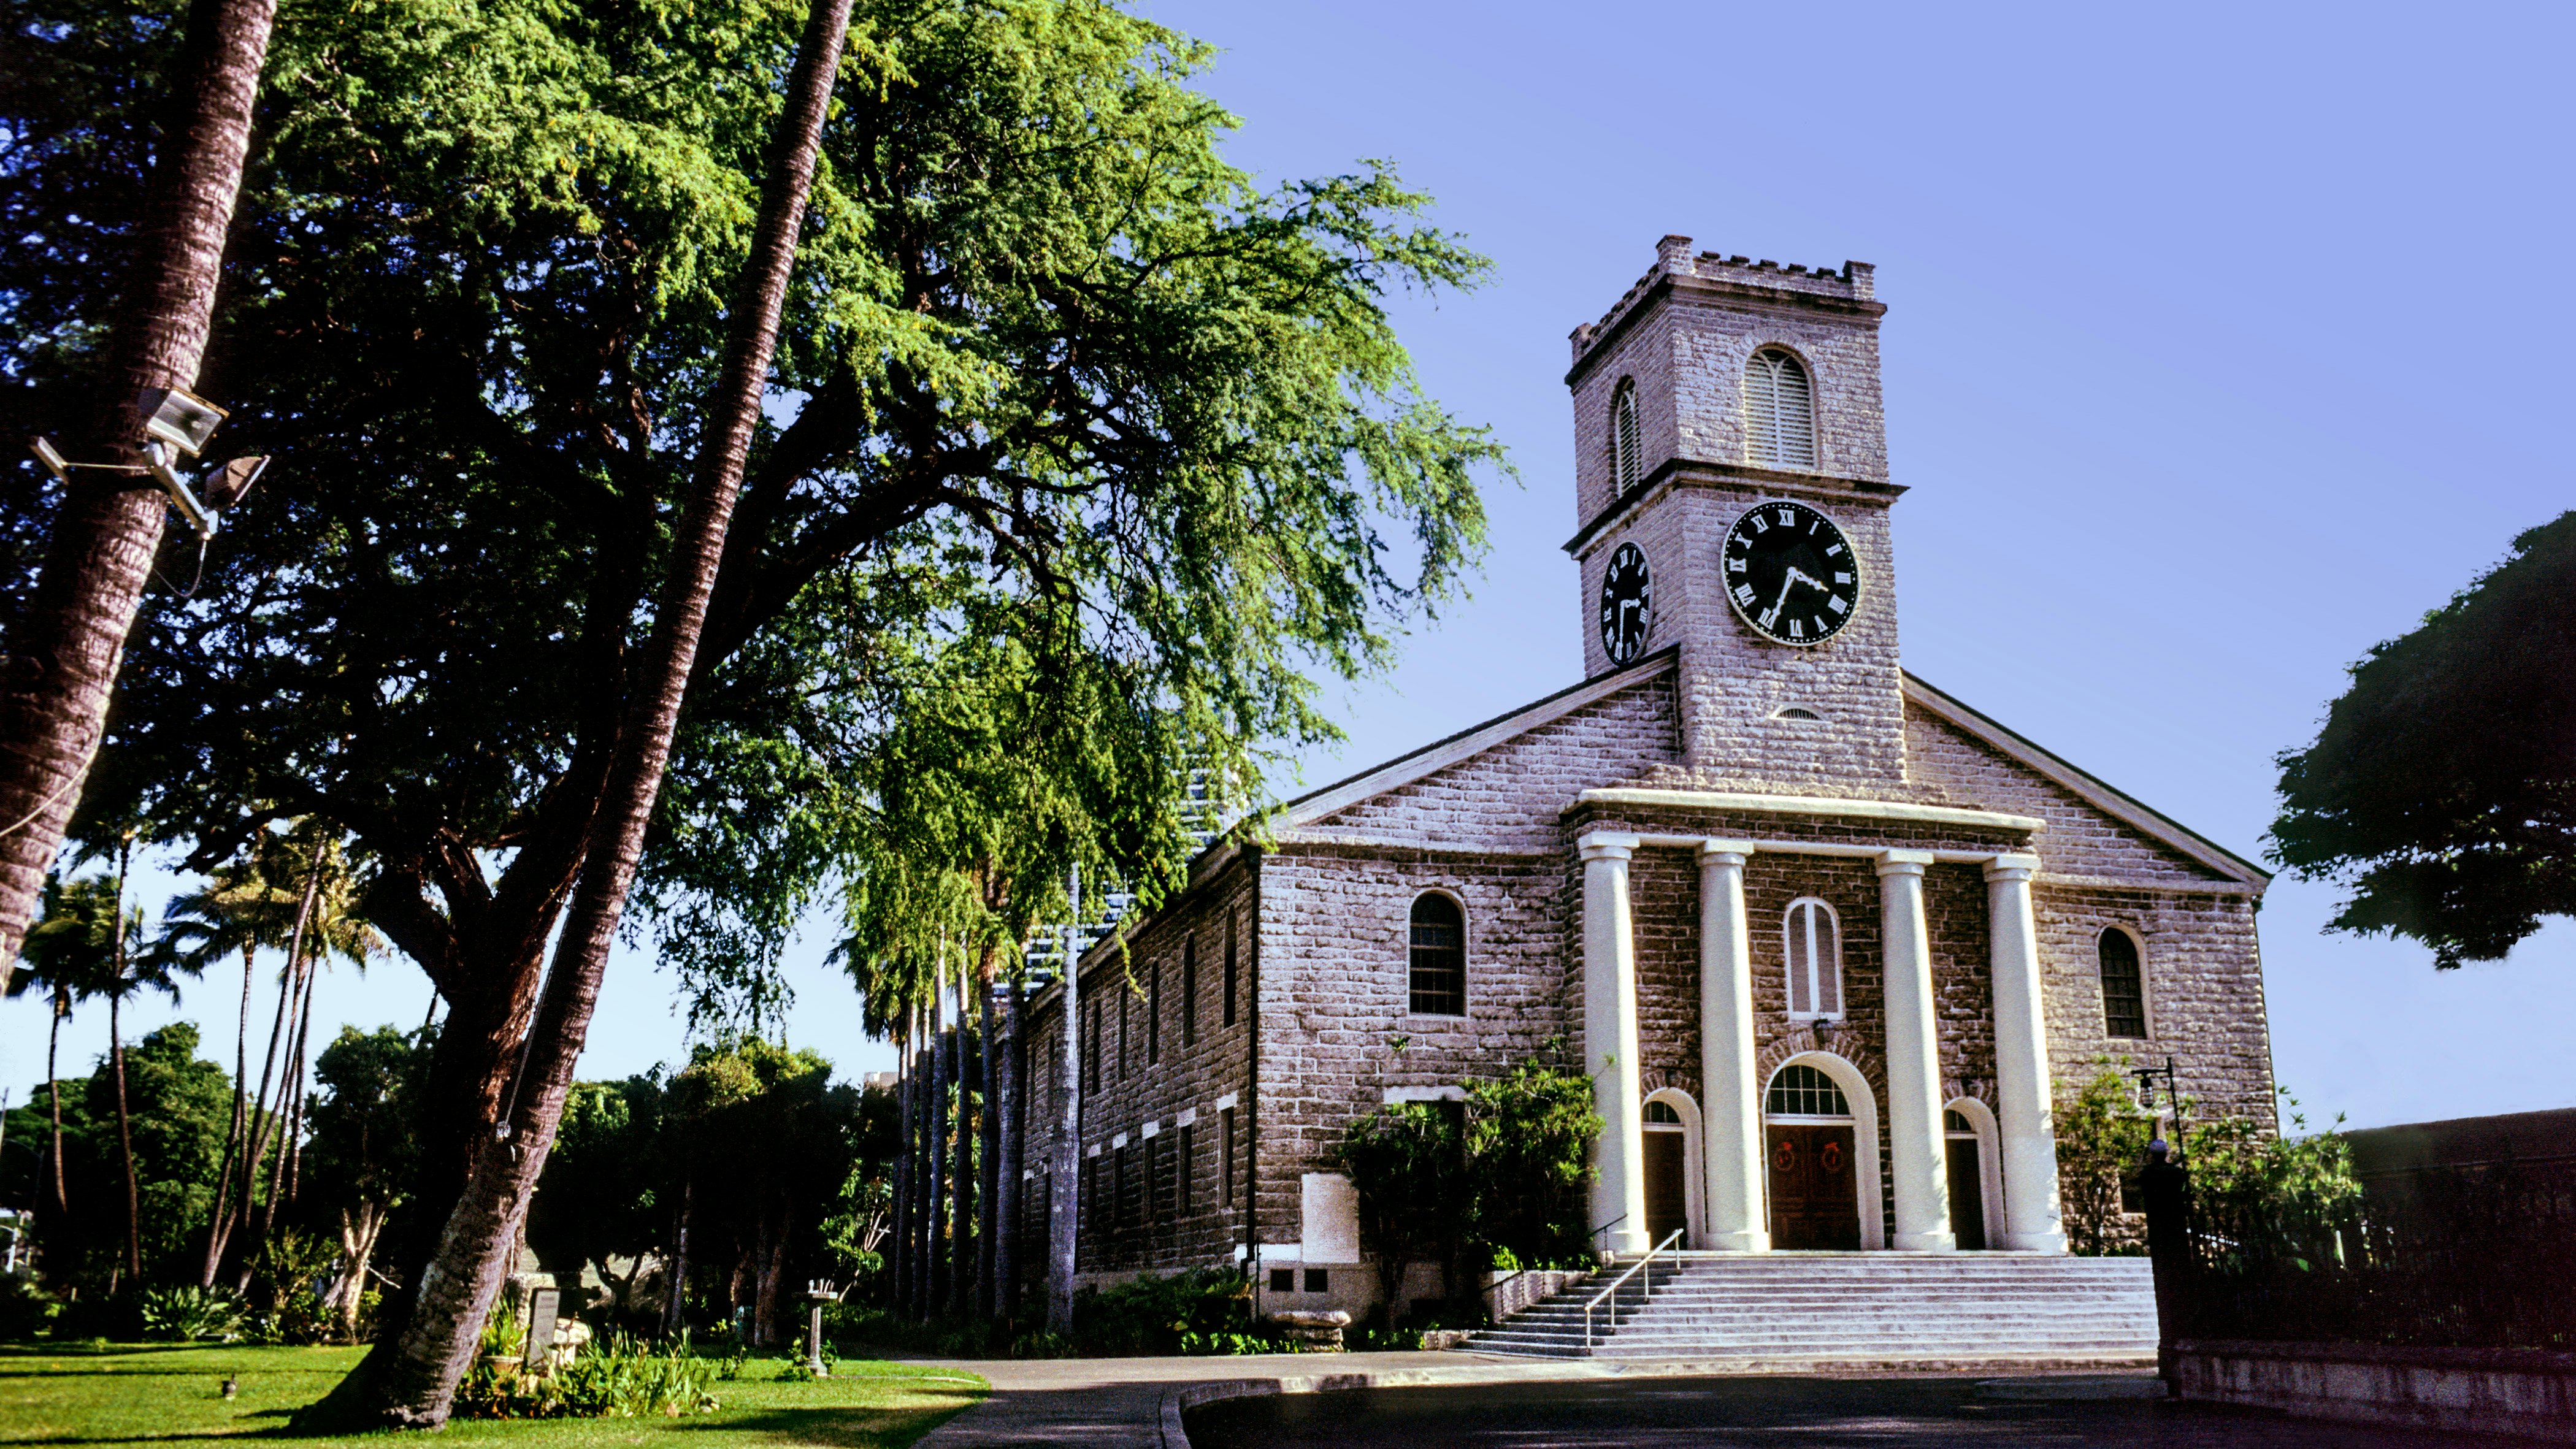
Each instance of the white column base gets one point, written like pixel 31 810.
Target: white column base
pixel 2035 1243
pixel 1923 1242
pixel 1623 1240
pixel 1755 1241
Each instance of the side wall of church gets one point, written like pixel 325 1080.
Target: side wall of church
pixel 1337 1028
pixel 2203 973
pixel 1163 1049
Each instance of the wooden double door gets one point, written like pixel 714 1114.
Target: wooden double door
pixel 1814 1198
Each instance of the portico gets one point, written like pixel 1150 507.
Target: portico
pixel 1732 1196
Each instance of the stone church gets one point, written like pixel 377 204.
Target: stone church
pixel 1829 939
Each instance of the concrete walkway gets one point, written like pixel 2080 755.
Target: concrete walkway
pixel 1136 1403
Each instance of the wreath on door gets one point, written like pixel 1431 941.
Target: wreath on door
pixel 1831 1159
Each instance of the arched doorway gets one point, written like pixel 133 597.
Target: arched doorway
pixel 1675 1190
pixel 1975 1173
pixel 1821 1157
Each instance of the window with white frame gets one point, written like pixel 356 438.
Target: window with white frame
pixel 1779 411
pixel 1814 941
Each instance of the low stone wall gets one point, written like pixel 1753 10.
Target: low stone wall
pixel 2497 1391
pixel 1509 1293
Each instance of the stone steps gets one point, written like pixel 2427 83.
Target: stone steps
pixel 1886 1308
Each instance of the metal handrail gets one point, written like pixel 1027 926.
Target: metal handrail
pixel 1610 1294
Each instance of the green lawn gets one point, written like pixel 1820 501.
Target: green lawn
pixel 148 1394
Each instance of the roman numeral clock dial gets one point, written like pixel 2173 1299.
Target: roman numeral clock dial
pixel 1627 605
pixel 1790 573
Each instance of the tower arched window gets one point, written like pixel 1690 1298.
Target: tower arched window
pixel 1779 411
pixel 1626 460
pixel 1439 956
pixel 1814 941
pixel 2124 987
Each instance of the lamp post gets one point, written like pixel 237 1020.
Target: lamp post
pixel 818 1292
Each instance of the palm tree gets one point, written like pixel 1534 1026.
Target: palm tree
pixel 89 938
pixel 70 632
pixel 58 964
pixel 241 907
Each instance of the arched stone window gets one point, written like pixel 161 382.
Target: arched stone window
pixel 1779 411
pixel 1626 462
pixel 1814 951
pixel 1799 1090
pixel 1439 956
pixel 2124 987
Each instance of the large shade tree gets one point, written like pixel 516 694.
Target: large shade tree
pixel 2442 789
pixel 1054 380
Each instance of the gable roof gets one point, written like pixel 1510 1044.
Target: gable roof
pixel 1474 740
pixel 2125 808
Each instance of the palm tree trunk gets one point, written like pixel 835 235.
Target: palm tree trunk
pixel 284 1118
pixel 54 1095
pixel 302 1057
pixel 219 1217
pixel 417 1384
pixel 253 1214
pixel 961 1232
pixel 988 1197
pixel 70 638
pixel 1015 1136
pixel 935 1292
pixel 676 1305
pixel 1064 1180
pixel 125 1140
pixel 899 1261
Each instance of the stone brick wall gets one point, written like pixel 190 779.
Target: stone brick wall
pixel 1175 1062
pixel 1335 993
pixel 2203 973
pixel 1508 797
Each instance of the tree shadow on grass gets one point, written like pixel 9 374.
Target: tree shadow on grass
pixel 843 1428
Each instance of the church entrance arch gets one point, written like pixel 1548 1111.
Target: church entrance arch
pixel 1676 1191
pixel 1820 1150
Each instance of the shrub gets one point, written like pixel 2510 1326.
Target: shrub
pixel 2101 1137
pixel 618 1378
pixel 1150 1315
pixel 25 1309
pixel 1222 1343
pixel 189 1312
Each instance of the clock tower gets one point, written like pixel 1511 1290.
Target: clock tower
pixel 1731 501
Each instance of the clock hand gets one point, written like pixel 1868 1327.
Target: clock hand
pixel 1799 576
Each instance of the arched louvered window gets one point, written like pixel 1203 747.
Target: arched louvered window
pixel 1626 465
pixel 1799 1090
pixel 2124 988
pixel 1779 411
pixel 1814 941
pixel 1439 956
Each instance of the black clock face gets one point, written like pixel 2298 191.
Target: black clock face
pixel 1627 605
pixel 1790 573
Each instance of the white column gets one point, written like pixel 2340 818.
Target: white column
pixel 1610 1042
pixel 1914 1138
pixel 1730 1110
pixel 2022 1105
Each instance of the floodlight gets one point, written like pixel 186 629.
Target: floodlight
pixel 200 517
pixel 181 418
pixel 52 460
pixel 232 480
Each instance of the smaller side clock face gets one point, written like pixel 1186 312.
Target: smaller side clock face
pixel 1790 573
pixel 1627 605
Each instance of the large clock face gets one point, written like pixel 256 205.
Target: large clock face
pixel 1627 605
pixel 1790 573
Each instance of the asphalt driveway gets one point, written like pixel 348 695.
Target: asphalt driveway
pixel 1773 1413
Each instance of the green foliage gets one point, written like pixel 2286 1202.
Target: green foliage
pixel 1408 1161
pixel 365 1142
pixel 615 1378
pixel 1061 395
pixel 2442 788
pixel 286 1275
pixel 25 1309
pixel 181 1107
pixel 1529 1159
pixel 2101 1139
pixel 190 1312
pixel 1152 1313
pixel 2299 1185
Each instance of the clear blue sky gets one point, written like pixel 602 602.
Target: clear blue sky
pixel 2222 343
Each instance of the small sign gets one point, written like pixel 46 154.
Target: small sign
pixel 542 1305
